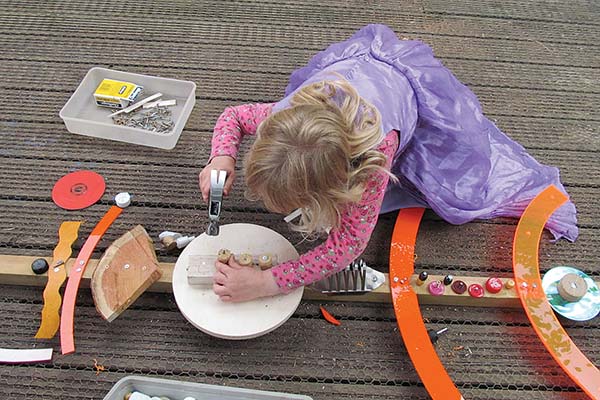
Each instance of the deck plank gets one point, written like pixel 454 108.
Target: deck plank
pixel 286 21
pixel 579 12
pixel 478 248
pixel 176 191
pixel 304 348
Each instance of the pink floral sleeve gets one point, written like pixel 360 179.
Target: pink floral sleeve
pixel 233 124
pixel 346 243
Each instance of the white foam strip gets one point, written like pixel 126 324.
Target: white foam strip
pixel 150 105
pixel 137 105
pixel 295 214
pixel 165 103
pixel 160 103
pixel 18 356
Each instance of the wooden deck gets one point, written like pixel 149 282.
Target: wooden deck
pixel 534 65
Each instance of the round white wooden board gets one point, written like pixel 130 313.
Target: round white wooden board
pixel 245 320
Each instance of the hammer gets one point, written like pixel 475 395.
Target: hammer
pixel 217 184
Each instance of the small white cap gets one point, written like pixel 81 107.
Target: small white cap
pixel 164 234
pixel 123 199
pixel 184 241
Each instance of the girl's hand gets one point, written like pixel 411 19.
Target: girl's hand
pixel 234 283
pixel 224 163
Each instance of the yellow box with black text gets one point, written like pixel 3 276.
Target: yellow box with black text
pixel 116 94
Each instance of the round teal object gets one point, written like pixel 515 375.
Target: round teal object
pixel 585 308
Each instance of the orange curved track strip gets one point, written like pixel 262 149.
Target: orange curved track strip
pixel 535 303
pixel 67 342
pixel 67 234
pixel 406 306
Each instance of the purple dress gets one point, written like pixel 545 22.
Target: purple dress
pixel 451 158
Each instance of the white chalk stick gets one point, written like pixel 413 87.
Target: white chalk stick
pixel 137 105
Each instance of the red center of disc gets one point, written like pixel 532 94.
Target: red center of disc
pixel 78 189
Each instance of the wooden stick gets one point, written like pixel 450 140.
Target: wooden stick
pixel 16 270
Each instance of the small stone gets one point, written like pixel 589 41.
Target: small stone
pixel 448 279
pixel 39 266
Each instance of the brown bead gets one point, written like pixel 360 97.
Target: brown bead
pixel 223 256
pixel 265 261
pixel 244 259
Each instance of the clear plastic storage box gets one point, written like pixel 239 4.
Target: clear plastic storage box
pixel 178 390
pixel 82 116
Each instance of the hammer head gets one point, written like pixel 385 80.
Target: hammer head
pixel 213 228
pixel 217 184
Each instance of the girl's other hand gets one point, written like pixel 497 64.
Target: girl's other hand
pixel 224 163
pixel 234 283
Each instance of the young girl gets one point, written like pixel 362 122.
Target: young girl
pixel 371 125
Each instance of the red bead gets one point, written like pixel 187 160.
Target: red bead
pixel 493 285
pixel 476 290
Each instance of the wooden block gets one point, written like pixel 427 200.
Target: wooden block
pixel 572 287
pixel 127 268
pixel 201 269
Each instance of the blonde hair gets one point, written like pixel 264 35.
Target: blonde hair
pixel 316 154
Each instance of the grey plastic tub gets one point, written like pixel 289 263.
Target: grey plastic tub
pixel 178 390
pixel 82 116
